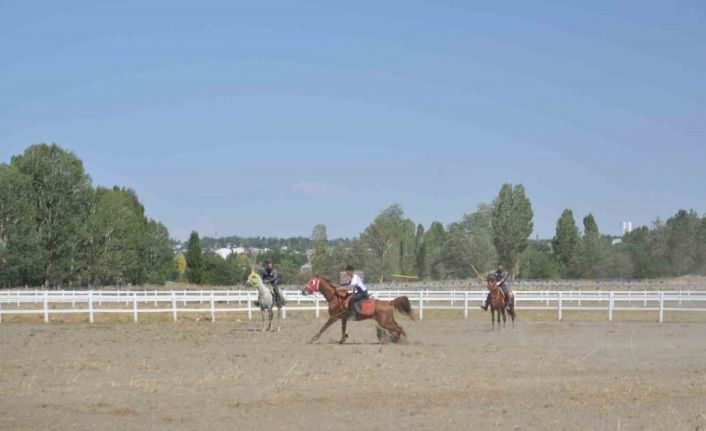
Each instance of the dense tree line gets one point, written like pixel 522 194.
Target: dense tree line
pixel 499 233
pixel 56 229
pixel 674 248
pixel 393 245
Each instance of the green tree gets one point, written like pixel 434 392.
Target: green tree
pixel 381 236
pixel 194 260
pixel 540 263
pixel 638 246
pixel 319 260
pixel 683 242
pixel 159 257
pixel 566 240
pixel 592 252
pixel 478 228
pixel 59 194
pixel 421 252
pixel 434 240
pixel 512 224
pixel 19 242
pixel 180 262
pixel 455 255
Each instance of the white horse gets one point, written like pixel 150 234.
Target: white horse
pixel 266 301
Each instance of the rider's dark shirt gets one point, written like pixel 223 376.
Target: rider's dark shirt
pixel 270 276
pixel 500 277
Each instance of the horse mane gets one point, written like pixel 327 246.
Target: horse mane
pixel 326 279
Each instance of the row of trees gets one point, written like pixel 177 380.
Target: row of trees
pixel 56 229
pixel 394 245
pixel 674 248
pixel 211 269
pixel 499 233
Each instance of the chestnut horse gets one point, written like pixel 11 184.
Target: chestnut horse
pixel 337 309
pixel 497 303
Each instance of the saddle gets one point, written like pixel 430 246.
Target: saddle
pixel 364 307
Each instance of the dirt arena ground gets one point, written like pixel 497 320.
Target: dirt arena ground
pixel 452 374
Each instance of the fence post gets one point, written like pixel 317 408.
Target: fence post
pixel 0 311
pixel 249 307
pixel 680 297
pixel 213 308
pixel 465 304
pixel 174 307
pixel 90 306
pixel 661 307
pixel 46 307
pixel 579 298
pixel 558 306
pixel 18 299
pixel 421 305
pixel 284 312
pixel 610 306
pixel 134 307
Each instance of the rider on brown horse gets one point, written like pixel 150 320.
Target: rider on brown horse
pixel 360 291
pixel 500 278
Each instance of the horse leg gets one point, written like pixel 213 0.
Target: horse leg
pixel 264 324
pixel 278 316
pixel 504 317
pixel 344 322
pixel 492 317
pixel 271 315
pixel 328 323
pixel 511 310
pixel 387 321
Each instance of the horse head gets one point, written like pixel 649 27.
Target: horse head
pixel 254 279
pixel 312 286
pixel 492 282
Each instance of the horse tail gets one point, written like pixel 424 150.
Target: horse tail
pixel 402 305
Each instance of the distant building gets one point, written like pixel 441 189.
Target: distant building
pixel 224 252
pixel 627 227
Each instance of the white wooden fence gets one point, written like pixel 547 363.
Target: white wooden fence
pixel 213 302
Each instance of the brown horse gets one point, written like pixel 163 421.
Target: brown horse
pixel 337 309
pixel 497 303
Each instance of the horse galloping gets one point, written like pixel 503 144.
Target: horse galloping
pixel 337 299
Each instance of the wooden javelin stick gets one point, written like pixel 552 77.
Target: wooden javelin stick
pixel 478 274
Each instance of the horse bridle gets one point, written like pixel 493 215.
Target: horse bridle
pixel 312 286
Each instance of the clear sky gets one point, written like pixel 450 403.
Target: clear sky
pixel 266 118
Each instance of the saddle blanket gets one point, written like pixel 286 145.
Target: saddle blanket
pixel 365 307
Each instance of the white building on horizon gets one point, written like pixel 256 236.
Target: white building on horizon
pixel 627 227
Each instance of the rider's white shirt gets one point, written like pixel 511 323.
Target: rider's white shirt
pixel 356 281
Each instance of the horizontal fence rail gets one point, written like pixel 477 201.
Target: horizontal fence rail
pixel 213 302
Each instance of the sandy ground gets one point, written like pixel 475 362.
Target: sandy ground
pixel 452 374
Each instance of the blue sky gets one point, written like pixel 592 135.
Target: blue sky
pixel 266 118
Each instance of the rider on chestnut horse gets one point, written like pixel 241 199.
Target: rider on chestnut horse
pixel 500 278
pixel 360 291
